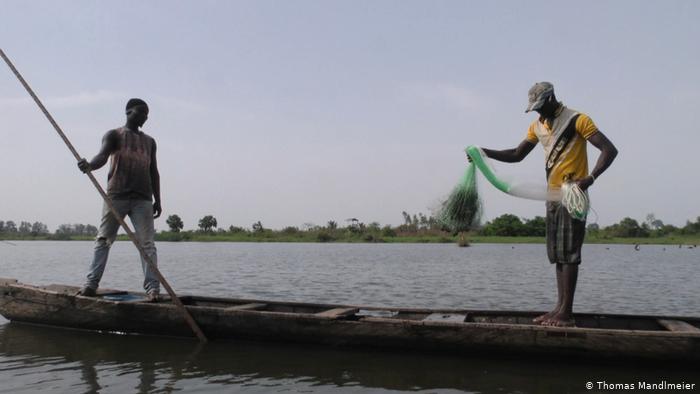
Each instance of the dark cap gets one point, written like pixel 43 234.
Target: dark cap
pixel 537 95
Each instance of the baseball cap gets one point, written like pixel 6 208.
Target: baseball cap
pixel 537 95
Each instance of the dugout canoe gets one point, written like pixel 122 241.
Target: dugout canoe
pixel 471 332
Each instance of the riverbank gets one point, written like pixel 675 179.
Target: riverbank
pixel 316 237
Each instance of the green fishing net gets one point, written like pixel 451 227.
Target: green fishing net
pixel 461 211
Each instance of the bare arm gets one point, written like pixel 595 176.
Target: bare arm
pixel 155 183
pixel 608 152
pixel 514 155
pixel 101 158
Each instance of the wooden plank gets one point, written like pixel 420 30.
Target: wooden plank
pixel 246 307
pixel 678 326
pixel 446 317
pixel 338 313
pixel 62 289
pixel 72 290
pixel 103 292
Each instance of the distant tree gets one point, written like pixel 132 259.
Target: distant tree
pixel 434 223
pixel 79 229
pixel 374 227
pixel 667 229
pixel 2 226
pixel 324 236
pixel 654 224
pixel 649 219
pixel 692 228
pixel 626 228
pixel 356 226
pixel 25 228
pixel 234 229
pixel 535 227
pixel 406 218
pixel 175 223
pixel 507 225
pixel 593 228
pixel 258 227
pixel 10 227
pixel 422 220
pixel 332 225
pixel 207 223
pixel 290 230
pixel 39 228
pixel 64 229
pixel 308 226
pixel 90 230
pixel 387 231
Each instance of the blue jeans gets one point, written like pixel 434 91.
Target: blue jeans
pixel 141 214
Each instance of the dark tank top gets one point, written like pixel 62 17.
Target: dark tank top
pixel 129 175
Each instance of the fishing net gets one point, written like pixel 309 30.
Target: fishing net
pixel 531 191
pixel 462 208
pixel 575 200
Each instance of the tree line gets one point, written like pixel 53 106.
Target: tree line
pixel 649 228
pixel 506 225
pixel 39 229
pixel 414 225
pixel 511 225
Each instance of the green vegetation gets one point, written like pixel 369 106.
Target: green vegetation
pixel 174 223
pixel 37 230
pixel 417 228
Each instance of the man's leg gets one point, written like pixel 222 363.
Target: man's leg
pixel 569 273
pixel 142 218
pixel 552 223
pixel 560 289
pixel 560 298
pixel 105 237
pixel 569 241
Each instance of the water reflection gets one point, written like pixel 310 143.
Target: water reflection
pixel 36 359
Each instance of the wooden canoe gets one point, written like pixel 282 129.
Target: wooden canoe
pixel 452 330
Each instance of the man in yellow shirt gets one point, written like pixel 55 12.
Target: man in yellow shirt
pixel 564 134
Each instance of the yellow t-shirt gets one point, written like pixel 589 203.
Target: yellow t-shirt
pixel 572 161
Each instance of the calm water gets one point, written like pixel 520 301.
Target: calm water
pixel 654 280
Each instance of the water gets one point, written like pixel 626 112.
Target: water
pixel 613 279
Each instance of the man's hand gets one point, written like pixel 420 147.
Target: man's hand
pixel 585 183
pixel 84 165
pixel 157 210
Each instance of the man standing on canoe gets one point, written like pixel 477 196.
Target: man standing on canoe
pixel 564 134
pixel 133 184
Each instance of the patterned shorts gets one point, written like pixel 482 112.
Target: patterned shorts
pixel 564 235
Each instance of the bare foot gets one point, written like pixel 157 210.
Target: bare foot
pixel 560 321
pixel 542 318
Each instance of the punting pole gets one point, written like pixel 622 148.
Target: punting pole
pixel 193 324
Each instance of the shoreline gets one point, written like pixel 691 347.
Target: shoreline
pixel 680 241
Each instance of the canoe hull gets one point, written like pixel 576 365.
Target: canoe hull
pixel 292 322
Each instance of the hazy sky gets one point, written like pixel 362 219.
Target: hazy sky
pixel 294 112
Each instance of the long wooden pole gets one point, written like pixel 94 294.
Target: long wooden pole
pixel 193 324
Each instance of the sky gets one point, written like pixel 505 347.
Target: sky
pixel 301 112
